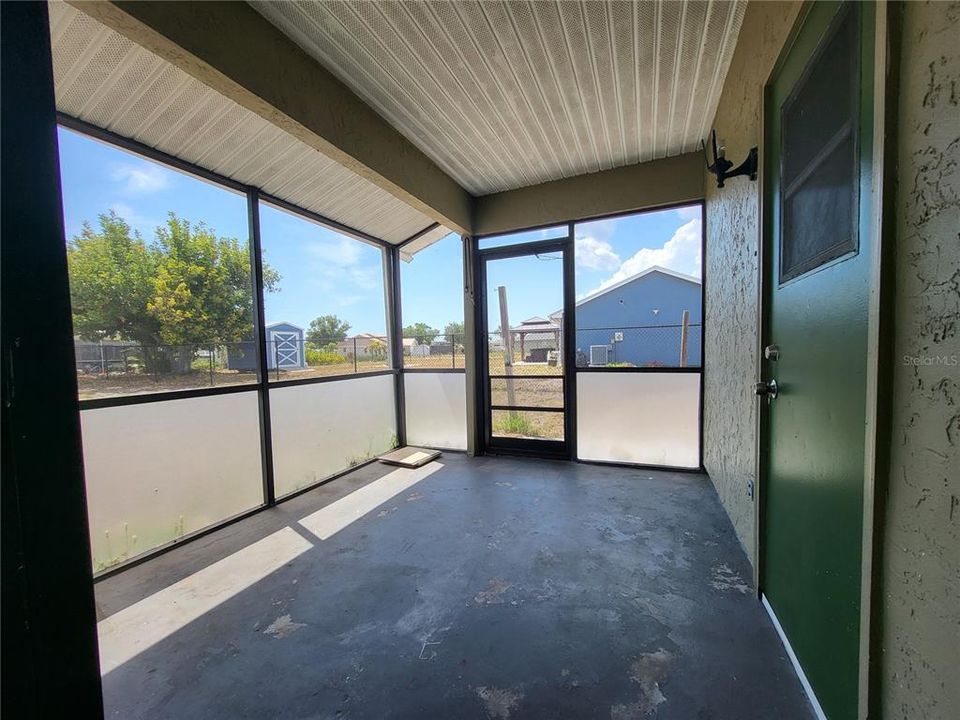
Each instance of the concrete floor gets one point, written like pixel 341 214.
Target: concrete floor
pixel 491 588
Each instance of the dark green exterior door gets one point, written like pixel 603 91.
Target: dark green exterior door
pixel 816 289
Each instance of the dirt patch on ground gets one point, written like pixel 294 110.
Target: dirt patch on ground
pixel 493 595
pixel 283 626
pixel 499 702
pixel 725 578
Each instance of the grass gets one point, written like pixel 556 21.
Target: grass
pixel 514 423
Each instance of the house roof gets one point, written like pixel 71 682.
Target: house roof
pixel 633 278
pixel 363 336
pixel 535 324
pixel 283 322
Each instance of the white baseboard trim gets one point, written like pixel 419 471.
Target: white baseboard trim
pixel 807 688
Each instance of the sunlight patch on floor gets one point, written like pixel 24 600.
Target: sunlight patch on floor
pixel 328 521
pixel 143 624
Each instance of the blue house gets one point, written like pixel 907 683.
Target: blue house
pixel 639 321
pixel 285 349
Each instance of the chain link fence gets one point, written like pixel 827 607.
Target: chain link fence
pixel 111 368
pixel 642 346
pixel 433 352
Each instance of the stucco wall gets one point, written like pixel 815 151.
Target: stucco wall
pixel 733 235
pixel 921 570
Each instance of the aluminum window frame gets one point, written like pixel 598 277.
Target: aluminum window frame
pixel 254 197
pixel 571 436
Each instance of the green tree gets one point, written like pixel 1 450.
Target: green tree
pixel 377 349
pixel 454 332
pixel 187 288
pixel 423 333
pixel 203 287
pixel 326 331
pixel 112 274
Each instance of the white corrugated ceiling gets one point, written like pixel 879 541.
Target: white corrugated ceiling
pixel 108 81
pixel 508 94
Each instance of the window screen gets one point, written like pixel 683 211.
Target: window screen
pixel 820 182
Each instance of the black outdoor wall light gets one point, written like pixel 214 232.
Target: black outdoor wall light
pixel 721 166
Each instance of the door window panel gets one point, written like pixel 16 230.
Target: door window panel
pixel 819 151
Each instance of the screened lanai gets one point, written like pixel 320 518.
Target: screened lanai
pixel 324 360
pixel 613 275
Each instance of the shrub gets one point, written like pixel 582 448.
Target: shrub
pixel 515 423
pixel 324 357
pixel 377 349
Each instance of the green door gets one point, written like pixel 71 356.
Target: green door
pixel 815 299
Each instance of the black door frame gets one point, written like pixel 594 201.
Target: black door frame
pixel 486 444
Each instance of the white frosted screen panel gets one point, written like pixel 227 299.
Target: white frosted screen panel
pixel 321 429
pixel 157 471
pixel 436 409
pixel 648 418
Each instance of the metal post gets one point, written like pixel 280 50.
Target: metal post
pixel 259 330
pixel 391 262
pixel 354 355
pixel 569 344
pixel 211 366
pixel 49 615
pixel 472 325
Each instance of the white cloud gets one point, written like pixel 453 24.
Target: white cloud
pixel 146 226
pixel 600 229
pixel 680 253
pixel 596 254
pixel 141 178
pixel 338 253
pixel 347 300
pixel 690 212
pixel 341 260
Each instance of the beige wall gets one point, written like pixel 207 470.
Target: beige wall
pixel 668 181
pixel 921 531
pixel 732 279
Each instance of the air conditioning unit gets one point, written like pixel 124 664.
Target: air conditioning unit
pixel 599 355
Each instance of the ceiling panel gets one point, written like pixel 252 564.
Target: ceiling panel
pixel 507 94
pixel 108 81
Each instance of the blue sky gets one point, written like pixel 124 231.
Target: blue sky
pixel 607 251
pixel 324 272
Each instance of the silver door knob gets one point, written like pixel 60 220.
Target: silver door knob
pixel 768 389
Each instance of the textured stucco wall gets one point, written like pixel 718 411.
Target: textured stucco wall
pixel 733 236
pixel 921 580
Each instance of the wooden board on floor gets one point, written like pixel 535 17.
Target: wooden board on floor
pixel 411 457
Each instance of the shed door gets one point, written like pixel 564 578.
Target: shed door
pixel 816 288
pixel 286 346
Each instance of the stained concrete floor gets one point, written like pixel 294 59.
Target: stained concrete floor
pixel 492 588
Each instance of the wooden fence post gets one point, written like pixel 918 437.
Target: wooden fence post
pixel 684 332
